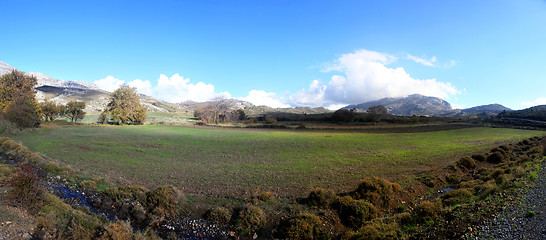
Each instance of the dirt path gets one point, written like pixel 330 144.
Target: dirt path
pixel 525 220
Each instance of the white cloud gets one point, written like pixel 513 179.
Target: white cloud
pixel 144 87
pixel 538 101
pixel 365 77
pixel 313 97
pixel 179 89
pixel 109 83
pixel 260 97
pixel 423 61
pixel 171 89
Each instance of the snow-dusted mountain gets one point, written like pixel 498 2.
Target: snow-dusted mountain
pixel 61 92
pixel 45 80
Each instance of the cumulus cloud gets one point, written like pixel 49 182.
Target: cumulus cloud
pixel 144 87
pixel 171 89
pixel 313 97
pixel 109 83
pixel 538 101
pixel 427 62
pixel 260 97
pixel 365 76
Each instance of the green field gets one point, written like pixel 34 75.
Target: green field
pixel 235 162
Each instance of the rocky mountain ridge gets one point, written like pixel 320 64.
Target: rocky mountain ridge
pixel 420 105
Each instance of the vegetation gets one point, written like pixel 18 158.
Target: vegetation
pixel 74 110
pixel 219 110
pixel 51 110
pixel 124 108
pixel 365 211
pixel 18 100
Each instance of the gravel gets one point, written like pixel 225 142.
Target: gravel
pixel 525 220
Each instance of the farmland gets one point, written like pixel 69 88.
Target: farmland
pixel 224 162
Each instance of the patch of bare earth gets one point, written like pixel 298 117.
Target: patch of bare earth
pixel 15 223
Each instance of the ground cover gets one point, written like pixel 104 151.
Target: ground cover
pixel 219 162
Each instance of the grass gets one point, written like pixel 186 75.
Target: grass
pixel 232 162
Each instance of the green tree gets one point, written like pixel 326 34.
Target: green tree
pixel 344 115
pixel 51 110
pixel 377 112
pixel 74 110
pixel 124 107
pixel 18 99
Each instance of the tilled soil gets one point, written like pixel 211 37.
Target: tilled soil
pixel 523 220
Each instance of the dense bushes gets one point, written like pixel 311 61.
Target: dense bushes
pixel 376 190
pixel 319 197
pixel 302 226
pixel 250 219
pixel 466 162
pixel 354 213
pixel 495 157
pixel 218 214
pixel 26 190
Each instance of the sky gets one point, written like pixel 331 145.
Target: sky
pixel 288 53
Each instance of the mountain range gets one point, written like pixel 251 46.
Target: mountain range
pixel 61 91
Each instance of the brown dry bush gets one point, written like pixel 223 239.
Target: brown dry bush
pixel 376 190
pixel 495 157
pixel 218 214
pixel 466 162
pixel 479 157
pixel 453 179
pixel 251 219
pixel 457 196
pixel 266 197
pixel 303 226
pixel 354 213
pixel 426 211
pixel 26 192
pixel 378 230
pixel 320 197
pixel 117 231
pixel 161 201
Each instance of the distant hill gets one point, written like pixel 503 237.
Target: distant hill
pixel 537 113
pixel 415 104
pixel 60 91
pixel 487 110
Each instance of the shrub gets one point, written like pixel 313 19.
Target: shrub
pixel 303 226
pixel 5 171
pixel 218 214
pixel 251 218
pixel 52 167
pixel 376 190
pixel 9 144
pixel 495 157
pixel 88 185
pixel 270 120
pixel 479 157
pixel 320 197
pixel 26 192
pixel 125 192
pixel 426 211
pixel 453 179
pixel 354 213
pixel 466 162
pixel 161 201
pixel 266 196
pixel 7 127
pixel 117 230
pixel 378 230
pixel 457 196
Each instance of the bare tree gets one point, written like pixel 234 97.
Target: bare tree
pixel 218 110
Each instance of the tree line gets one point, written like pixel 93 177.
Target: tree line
pixel 19 106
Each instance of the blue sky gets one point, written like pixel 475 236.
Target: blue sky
pixel 288 53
